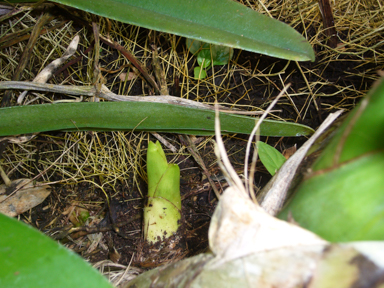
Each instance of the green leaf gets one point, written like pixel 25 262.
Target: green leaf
pixel 217 54
pixel 221 22
pixel 199 72
pixel 221 54
pixel 344 204
pixel 365 125
pixel 204 58
pixel 195 46
pixel 271 158
pixel 31 259
pixel 106 116
pixel 341 197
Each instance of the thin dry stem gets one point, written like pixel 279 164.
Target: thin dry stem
pixel 249 181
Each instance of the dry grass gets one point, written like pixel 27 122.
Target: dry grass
pixel 337 80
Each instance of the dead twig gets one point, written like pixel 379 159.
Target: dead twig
pixel 105 93
pixel 328 22
pixel 196 155
pixel 159 73
pixel 133 60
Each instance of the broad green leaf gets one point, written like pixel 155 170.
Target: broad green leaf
pixel 31 259
pixel 221 22
pixel 271 158
pixel 341 198
pixel 106 116
pixel 344 204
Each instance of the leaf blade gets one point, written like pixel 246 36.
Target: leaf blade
pixel 139 116
pixel 28 257
pixel 232 24
pixel 271 158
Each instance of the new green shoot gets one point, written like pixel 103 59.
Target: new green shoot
pixel 162 211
